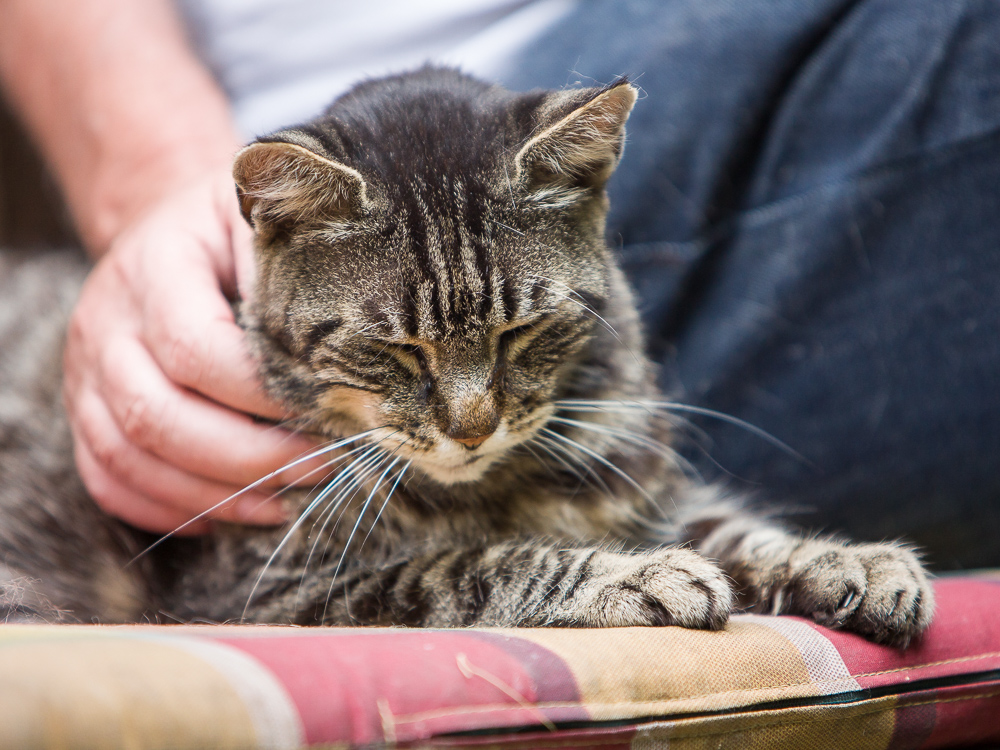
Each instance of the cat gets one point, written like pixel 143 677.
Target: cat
pixel 436 300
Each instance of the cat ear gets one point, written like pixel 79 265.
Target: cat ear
pixel 279 183
pixel 580 142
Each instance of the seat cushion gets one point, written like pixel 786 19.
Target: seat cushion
pixel 763 681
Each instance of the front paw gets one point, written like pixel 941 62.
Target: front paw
pixel 664 587
pixel 878 590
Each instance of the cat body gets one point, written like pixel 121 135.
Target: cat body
pixel 436 300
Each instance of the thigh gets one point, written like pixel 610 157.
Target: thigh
pixel 807 206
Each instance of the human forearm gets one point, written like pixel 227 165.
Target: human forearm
pixel 122 110
pixel 158 383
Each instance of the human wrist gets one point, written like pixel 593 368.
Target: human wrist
pixel 121 108
pixel 126 185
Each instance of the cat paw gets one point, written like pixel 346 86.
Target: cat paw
pixel 667 587
pixel 878 590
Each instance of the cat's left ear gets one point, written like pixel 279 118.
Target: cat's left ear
pixel 284 183
pixel 580 140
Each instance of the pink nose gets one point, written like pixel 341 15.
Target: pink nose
pixel 473 442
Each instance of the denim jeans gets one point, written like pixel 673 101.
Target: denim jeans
pixel 809 209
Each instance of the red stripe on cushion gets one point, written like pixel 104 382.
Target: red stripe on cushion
pixel 361 687
pixel 963 638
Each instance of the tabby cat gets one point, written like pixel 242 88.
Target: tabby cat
pixel 435 298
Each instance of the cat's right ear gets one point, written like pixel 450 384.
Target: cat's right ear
pixel 282 183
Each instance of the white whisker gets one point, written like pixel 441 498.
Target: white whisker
pixel 344 473
pixel 385 502
pixel 291 465
pixel 654 446
pixel 356 472
pixel 512 229
pixel 601 459
pixel 598 481
pixel 569 297
pixel 354 530
pixel 651 405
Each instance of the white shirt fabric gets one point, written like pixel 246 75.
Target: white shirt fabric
pixel 283 61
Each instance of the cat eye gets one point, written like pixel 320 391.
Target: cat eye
pixel 511 334
pixel 320 331
pixel 512 337
pixel 415 353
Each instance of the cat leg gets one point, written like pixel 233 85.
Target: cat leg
pixel 878 590
pixel 536 583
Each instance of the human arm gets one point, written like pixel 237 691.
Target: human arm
pixel 159 384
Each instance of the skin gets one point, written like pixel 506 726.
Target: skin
pixel 159 384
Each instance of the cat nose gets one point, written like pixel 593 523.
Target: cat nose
pixel 473 434
pixel 472 442
pixel 472 425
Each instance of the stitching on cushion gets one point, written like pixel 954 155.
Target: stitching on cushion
pixel 956 660
pixel 506 707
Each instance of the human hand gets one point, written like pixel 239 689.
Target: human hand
pixel 159 383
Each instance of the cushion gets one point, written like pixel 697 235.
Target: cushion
pixel 762 682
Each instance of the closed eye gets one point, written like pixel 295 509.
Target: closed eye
pixel 515 338
pixel 512 334
pixel 320 331
pixel 413 356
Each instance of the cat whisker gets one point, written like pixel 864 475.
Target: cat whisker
pixel 598 481
pixel 344 473
pixel 541 461
pixel 359 474
pixel 539 441
pixel 510 187
pixel 570 296
pixel 221 504
pixel 297 423
pixel 327 465
pixel 600 459
pixel 385 502
pixel 697 436
pixel 354 530
pixel 357 469
pixel 362 469
pixel 673 406
pixel 654 446
pixel 375 358
pixel 505 226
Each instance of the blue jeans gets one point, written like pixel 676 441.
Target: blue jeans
pixel 809 208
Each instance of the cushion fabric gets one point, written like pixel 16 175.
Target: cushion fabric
pixel 763 681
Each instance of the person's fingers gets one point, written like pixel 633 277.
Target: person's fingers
pixel 188 431
pixel 159 384
pixel 189 327
pixel 120 474
pixel 119 501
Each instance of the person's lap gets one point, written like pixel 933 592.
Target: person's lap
pixel 808 207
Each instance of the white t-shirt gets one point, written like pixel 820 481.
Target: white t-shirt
pixel 283 61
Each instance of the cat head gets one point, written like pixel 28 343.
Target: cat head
pixel 431 261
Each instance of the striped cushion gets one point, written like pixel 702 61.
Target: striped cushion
pixel 764 681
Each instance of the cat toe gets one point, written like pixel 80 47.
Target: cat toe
pixel 899 601
pixel 827 583
pixel 666 587
pixel 877 590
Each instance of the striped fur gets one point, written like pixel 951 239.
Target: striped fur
pixel 435 298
